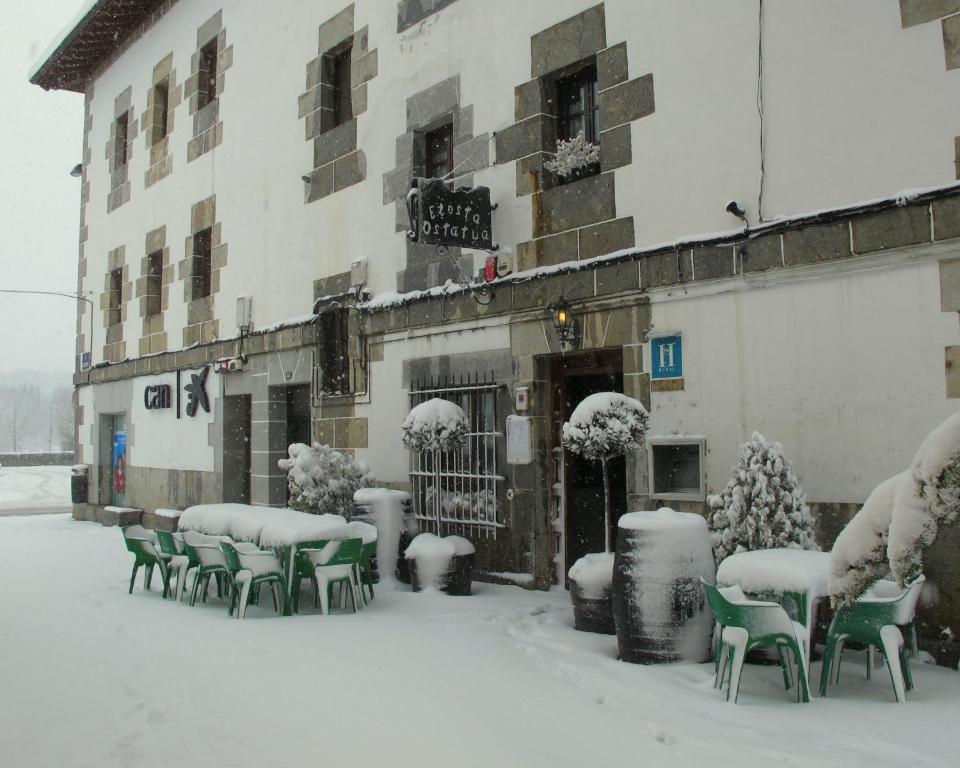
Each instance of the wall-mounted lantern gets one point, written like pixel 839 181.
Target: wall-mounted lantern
pixel 564 323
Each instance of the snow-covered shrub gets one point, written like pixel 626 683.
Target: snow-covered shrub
pixel 603 426
pixel 322 480
pixel 436 425
pixel 929 498
pixel 763 505
pixel 859 555
pixel 572 155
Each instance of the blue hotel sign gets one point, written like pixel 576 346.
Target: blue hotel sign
pixel 666 354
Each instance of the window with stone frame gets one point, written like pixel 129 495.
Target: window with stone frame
pixel 337 74
pixel 200 274
pixel 120 140
pixel 207 79
pixel 116 296
pixel 578 111
pixel 438 151
pixel 161 106
pixel 154 283
pixel 334 359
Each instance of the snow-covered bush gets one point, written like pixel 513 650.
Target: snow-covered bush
pixel 859 555
pixel 603 426
pixel 763 505
pixel 926 500
pixel 572 155
pixel 322 480
pixel 436 425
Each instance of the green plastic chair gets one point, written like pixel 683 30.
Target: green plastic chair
pixel 367 553
pixel 212 563
pixel 145 554
pixel 303 569
pixel 749 624
pixel 874 622
pixel 254 568
pixel 178 562
pixel 336 563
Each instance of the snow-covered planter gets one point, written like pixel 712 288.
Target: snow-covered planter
pixel 763 505
pixel 323 480
pixel 444 564
pixel 591 578
pixel 658 604
pixel 928 498
pixel 573 155
pixel 859 555
pixel 603 426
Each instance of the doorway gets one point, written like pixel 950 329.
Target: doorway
pixel 236 448
pixel 298 414
pixel 574 377
pixel 113 459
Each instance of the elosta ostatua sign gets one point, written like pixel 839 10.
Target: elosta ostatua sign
pixel 443 216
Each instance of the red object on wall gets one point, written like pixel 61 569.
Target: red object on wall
pixel 120 476
pixel 490 269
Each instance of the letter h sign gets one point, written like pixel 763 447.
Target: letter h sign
pixel 666 353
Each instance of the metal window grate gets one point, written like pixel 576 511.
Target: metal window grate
pixel 467 499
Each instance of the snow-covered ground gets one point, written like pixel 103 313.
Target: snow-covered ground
pixel 91 676
pixel 33 489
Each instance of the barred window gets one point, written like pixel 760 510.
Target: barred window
pixel 458 491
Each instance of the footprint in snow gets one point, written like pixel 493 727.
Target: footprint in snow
pixel 660 733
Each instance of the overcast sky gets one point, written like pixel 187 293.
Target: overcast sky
pixel 41 139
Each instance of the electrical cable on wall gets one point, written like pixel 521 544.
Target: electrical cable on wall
pixel 760 105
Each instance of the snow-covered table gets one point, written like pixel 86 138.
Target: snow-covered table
pixel 267 527
pixel 796 574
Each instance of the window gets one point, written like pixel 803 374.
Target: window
pixel 207 74
pixel 201 264
pixel 116 296
pixel 154 273
pixel 676 468
pixel 342 92
pixel 161 101
pixel 460 489
pixel 438 151
pixel 334 352
pixel 120 140
pixel 578 112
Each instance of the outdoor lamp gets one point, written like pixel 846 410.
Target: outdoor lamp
pixel 561 315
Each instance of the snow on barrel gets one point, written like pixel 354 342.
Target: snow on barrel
pixel 658 604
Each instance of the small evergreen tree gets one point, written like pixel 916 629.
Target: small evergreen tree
pixel 323 480
pixel 603 426
pixel 763 505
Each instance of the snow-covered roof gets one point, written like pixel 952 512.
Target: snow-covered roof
pixel 96 30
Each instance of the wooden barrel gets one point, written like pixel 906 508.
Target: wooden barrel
pixel 658 605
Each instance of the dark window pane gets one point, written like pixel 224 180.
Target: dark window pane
pixel 439 152
pixel 676 468
pixel 161 98
pixel 201 264
pixel 342 103
pixel 207 85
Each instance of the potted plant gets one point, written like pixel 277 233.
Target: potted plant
pixel 603 426
pixel 436 427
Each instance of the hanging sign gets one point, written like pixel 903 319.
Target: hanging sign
pixel 442 216
pixel 666 354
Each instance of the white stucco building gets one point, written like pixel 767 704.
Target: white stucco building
pixel 265 150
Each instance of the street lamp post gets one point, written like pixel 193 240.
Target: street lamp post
pixel 74 296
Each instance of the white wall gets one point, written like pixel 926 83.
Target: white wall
pixel 160 439
pixel 845 370
pixel 855 107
